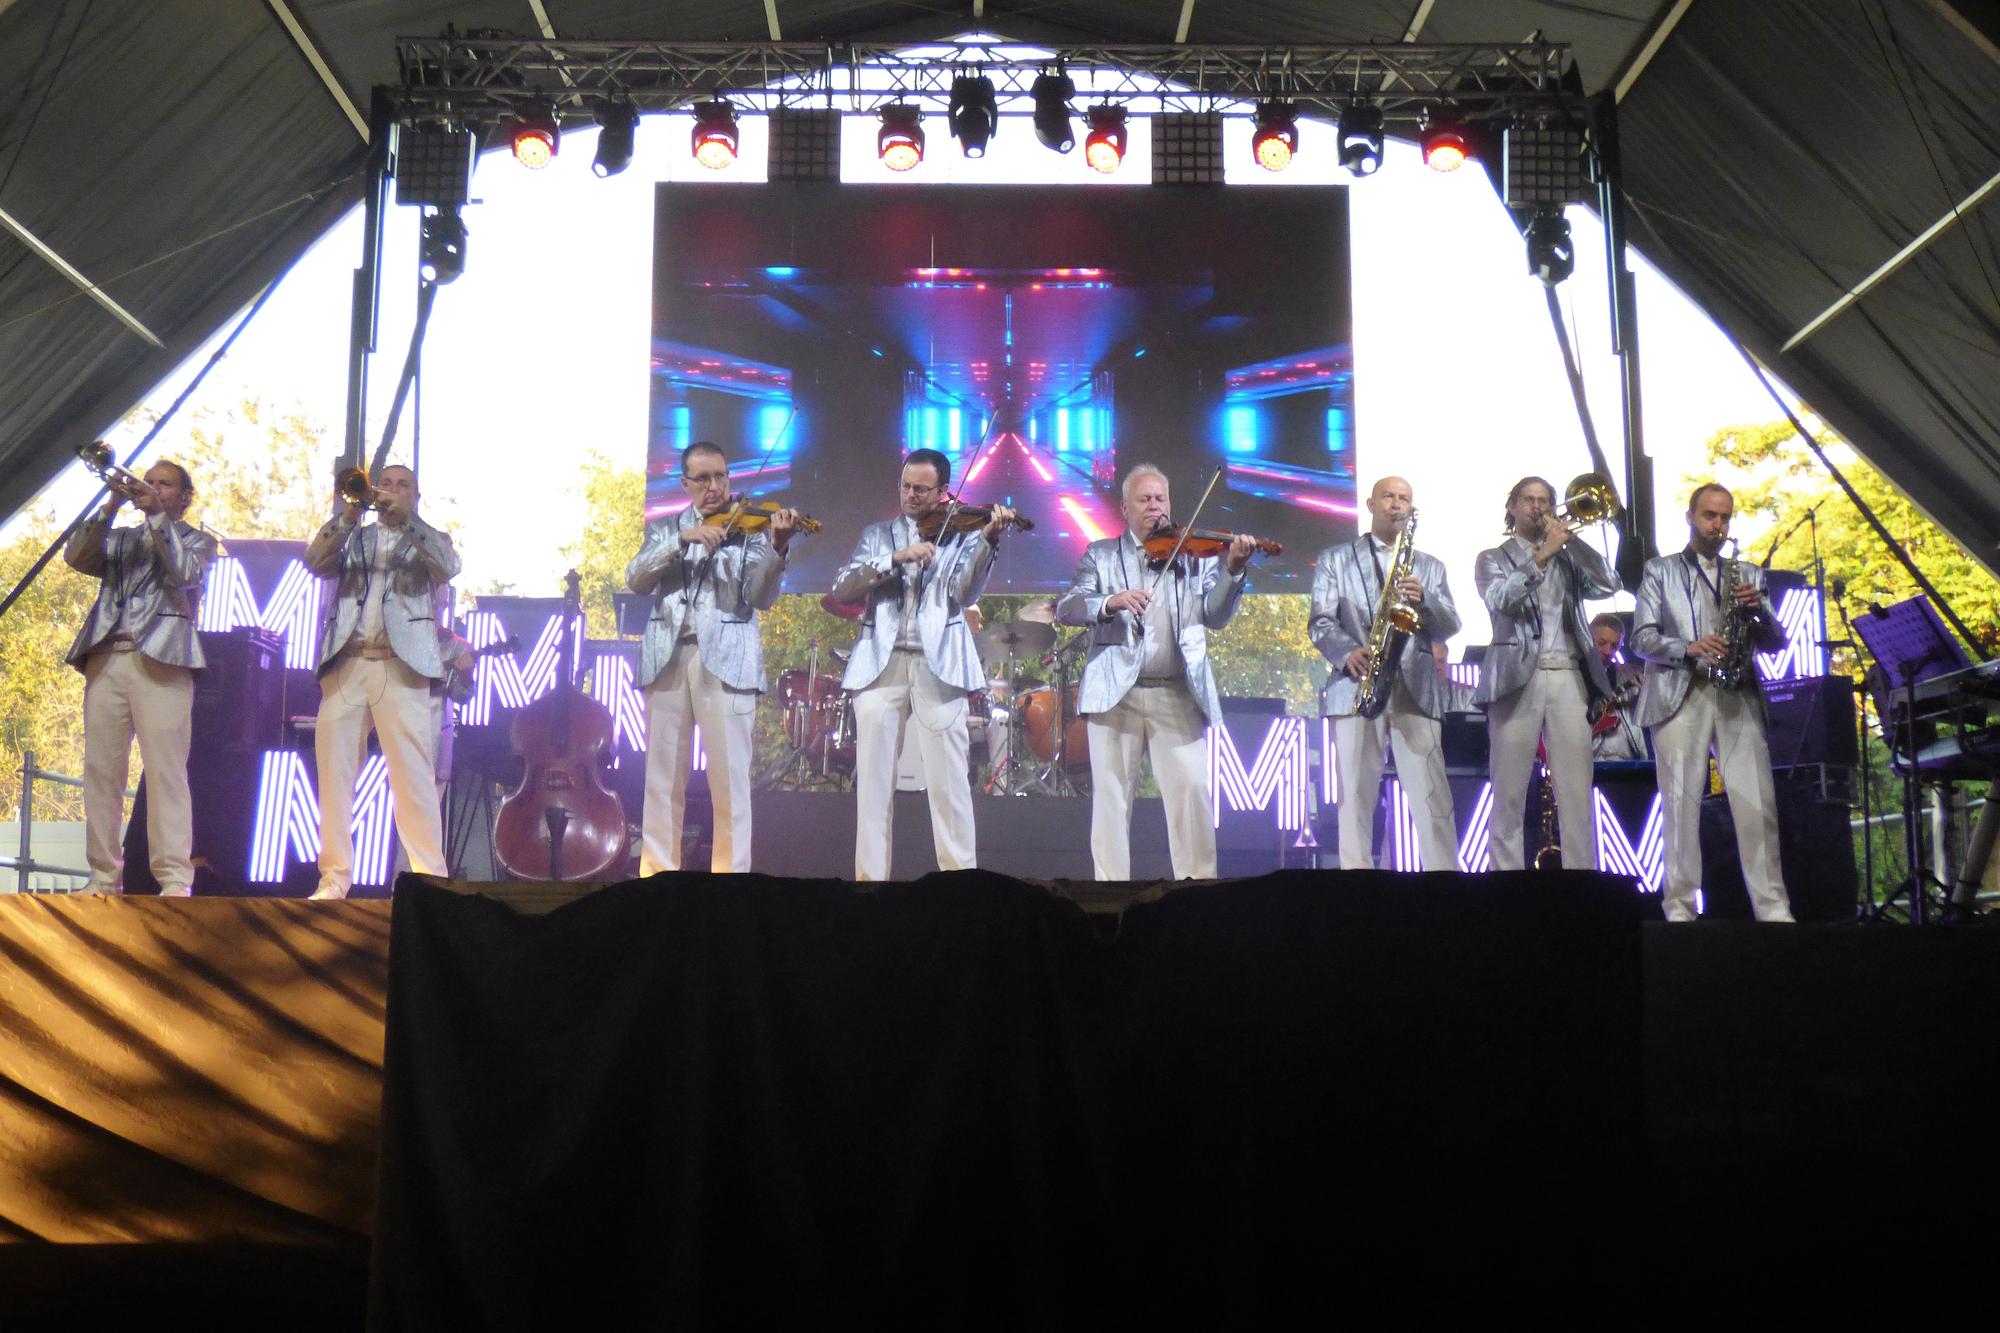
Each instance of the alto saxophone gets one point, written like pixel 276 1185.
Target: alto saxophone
pixel 1395 621
pixel 1734 668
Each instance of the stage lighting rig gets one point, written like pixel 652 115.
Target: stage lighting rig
pixel 1276 137
pixel 900 142
pixel 441 249
pixel 535 136
pixel 1052 124
pixel 1551 253
pixel 1104 146
pixel 1444 142
pixel 714 139
pixel 973 114
pixel 1361 139
pixel 618 123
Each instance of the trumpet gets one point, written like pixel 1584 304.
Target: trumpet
pixel 1591 498
pixel 98 459
pixel 355 488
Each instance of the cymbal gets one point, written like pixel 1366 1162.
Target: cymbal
pixel 1042 611
pixel 1014 638
pixel 845 610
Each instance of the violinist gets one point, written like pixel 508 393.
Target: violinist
pixel 701 661
pixel 915 659
pixel 378 658
pixel 1147 685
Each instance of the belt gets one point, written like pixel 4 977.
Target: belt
pixel 908 648
pixel 369 651
pixel 119 644
pixel 1158 681
pixel 1556 662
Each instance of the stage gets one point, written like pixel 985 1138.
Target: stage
pixel 963 1099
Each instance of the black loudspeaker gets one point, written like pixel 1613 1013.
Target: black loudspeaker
pixel 1815 849
pixel 239 698
pixel 1812 722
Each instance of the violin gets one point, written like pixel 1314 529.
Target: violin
pixel 744 517
pixel 1201 544
pixel 951 518
pixel 562 822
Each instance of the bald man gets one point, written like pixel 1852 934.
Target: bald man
pixel 1347 589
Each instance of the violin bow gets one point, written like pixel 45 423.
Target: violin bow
pixel 1186 528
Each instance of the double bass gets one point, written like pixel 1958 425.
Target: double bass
pixel 562 823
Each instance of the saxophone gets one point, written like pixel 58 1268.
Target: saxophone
pixel 1395 621
pixel 1734 668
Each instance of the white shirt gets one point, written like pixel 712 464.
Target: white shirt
pixel 383 543
pixel 1162 644
pixel 1552 605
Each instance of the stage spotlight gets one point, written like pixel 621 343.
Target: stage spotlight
pixel 1052 125
pixel 900 143
pixel 1277 135
pixel 441 251
pixel 1551 253
pixel 973 113
pixel 619 126
pixel 1444 143
pixel 714 139
pixel 535 136
pixel 1104 147
pixel 1361 139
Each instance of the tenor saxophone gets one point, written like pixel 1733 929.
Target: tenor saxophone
pixel 1395 621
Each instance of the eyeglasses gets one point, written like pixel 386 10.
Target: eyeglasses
pixel 918 490
pixel 704 480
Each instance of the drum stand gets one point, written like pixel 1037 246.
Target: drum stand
pixel 806 767
pixel 1055 779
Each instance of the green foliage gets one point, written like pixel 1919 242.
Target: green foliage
pixel 41 698
pixel 1774 475
pixel 615 498
pixel 260 473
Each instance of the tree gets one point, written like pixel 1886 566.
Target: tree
pixel 615 500
pixel 1776 477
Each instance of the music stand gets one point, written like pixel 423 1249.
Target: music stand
pixel 1910 645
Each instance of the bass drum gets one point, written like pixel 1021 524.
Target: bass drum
pixel 1039 708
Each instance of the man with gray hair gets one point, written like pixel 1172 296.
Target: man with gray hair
pixel 1147 685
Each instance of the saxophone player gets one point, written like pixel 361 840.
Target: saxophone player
pixel 1355 586
pixel 1540 672
pixel 1700 617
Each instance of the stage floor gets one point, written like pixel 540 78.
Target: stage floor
pixel 209 1074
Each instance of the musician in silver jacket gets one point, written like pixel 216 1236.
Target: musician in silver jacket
pixel 1148 688
pixel 1615 733
pixel 138 651
pixel 915 660
pixel 1540 673
pixel 1683 629
pixel 701 661
pixel 378 659
pixel 1347 591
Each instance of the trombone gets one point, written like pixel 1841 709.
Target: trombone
pixel 98 459
pixel 1591 498
pixel 354 487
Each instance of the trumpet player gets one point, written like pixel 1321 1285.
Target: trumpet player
pixel 138 652
pixel 378 659
pixel 1542 669
pixel 1700 619
pixel 1360 589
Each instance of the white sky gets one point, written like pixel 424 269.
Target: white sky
pixel 539 353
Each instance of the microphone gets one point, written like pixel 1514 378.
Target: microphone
pixel 1807 518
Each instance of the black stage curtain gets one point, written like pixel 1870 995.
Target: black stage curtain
pixel 716 1102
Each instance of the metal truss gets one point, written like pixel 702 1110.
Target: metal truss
pixel 474 79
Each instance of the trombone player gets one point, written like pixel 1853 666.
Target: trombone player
pixel 378 659
pixel 1542 669
pixel 138 652
pixel 1359 589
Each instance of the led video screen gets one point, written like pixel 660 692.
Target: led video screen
pixel 1043 339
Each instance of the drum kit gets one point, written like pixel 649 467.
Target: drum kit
pixel 1012 723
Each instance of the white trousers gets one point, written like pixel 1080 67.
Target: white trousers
pixel 906 691
pixel 1730 722
pixel 683 695
pixel 1555 703
pixel 1358 743
pixel 358 694
pixel 127 695
pixel 1162 723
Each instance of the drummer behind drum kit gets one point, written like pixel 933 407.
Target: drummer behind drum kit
pixel 1015 711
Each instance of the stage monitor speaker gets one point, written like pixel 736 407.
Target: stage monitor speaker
pixel 1815 848
pixel 1812 722
pixel 239 698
